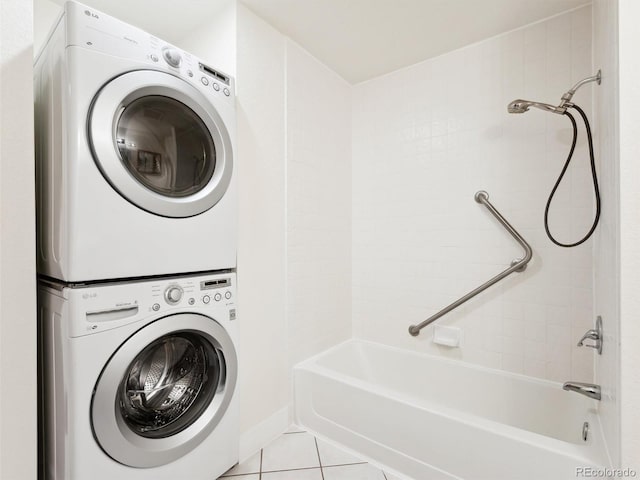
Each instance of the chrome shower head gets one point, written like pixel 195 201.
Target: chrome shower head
pixel 521 106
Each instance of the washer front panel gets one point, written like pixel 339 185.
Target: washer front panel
pixel 124 397
pixel 160 143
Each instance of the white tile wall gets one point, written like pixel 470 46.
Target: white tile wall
pixel 607 245
pixel 262 231
pixel 318 205
pixel 294 254
pixel 215 40
pixel 425 139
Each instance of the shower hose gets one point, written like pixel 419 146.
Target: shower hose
pixel 594 176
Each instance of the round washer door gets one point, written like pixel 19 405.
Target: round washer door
pixel 164 390
pixel 160 143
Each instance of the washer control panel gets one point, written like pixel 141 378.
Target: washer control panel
pixel 97 308
pixel 205 291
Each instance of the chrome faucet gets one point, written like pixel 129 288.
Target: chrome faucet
pixel 594 334
pixel 588 389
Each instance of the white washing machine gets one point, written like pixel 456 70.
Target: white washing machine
pixel 139 379
pixel 135 154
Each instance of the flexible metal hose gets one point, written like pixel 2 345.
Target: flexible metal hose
pixel 594 176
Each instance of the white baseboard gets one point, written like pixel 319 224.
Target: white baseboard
pixel 263 433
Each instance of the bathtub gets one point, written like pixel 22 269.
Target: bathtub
pixel 430 418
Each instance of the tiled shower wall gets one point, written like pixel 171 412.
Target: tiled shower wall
pixel 425 139
pixel 318 197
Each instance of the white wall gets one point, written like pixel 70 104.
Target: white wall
pixel 45 13
pixel 215 40
pixel 262 227
pixel 294 178
pixel 18 452
pixel 425 139
pixel 318 205
pixel 629 14
pixel 607 244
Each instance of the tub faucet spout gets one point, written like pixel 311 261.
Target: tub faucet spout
pixel 588 389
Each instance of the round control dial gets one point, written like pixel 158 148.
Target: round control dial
pixel 172 57
pixel 173 294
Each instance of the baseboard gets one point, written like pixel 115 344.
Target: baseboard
pixel 263 433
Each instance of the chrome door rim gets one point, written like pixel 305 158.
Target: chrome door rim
pixel 103 117
pixel 109 428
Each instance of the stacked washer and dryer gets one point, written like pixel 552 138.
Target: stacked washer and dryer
pixel 136 256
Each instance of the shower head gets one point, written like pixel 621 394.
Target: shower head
pixel 521 106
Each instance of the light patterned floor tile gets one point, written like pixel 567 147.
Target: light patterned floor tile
pixel 391 476
pixel 331 455
pixel 251 465
pixel 294 450
pixel 361 471
pixel 307 474
pixel 253 476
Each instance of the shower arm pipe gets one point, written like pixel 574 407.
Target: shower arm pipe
pixel 566 98
pixel 518 265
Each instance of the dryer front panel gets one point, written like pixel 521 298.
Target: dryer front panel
pixel 164 390
pixel 160 143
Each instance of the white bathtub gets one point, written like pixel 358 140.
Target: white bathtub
pixel 431 418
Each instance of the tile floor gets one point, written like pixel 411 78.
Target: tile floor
pixel 298 455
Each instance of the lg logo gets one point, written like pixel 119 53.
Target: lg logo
pixel 88 13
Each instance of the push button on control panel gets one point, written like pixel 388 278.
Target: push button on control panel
pixel 206 299
pixel 217 297
pixel 227 295
pixel 156 307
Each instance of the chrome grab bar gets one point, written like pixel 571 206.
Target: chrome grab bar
pixel 516 265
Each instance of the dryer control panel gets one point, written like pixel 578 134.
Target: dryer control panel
pixel 101 307
pixel 92 29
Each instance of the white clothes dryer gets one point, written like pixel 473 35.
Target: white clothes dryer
pixel 140 379
pixel 134 154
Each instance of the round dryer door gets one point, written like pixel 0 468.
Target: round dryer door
pixel 164 390
pixel 160 143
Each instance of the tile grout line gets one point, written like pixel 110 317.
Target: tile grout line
pixel 302 468
pixel 384 474
pixel 260 474
pixel 345 464
pixel 293 469
pixel 319 460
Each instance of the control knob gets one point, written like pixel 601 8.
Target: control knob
pixel 173 294
pixel 172 56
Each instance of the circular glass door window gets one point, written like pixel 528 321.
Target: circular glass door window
pixel 165 146
pixel 169 384
pixel 161 143
pixel 164 391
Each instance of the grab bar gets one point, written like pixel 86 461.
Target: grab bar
pixel 516 265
